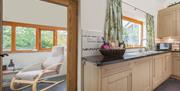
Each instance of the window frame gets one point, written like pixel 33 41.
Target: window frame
pixel 142 32
pixel 38 30
pixel 40 39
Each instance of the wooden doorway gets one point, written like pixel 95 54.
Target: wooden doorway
pixel 1 14
pixel 72 53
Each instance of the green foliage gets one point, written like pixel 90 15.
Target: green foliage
pixel 47 39
pixel 25 38
pixel 131 33
pixel 62 38
pixel 6 37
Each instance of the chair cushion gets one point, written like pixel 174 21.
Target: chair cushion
pixel 53 61
pixel 30 75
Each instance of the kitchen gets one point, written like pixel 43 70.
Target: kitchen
pixel 152 66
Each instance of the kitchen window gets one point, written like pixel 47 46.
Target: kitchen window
pixel 132 32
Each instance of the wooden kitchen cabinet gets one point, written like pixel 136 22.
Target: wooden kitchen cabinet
pixel 158 70
pixel 142 75
pixel 168 65
pixel 178 20
pixel 118 82
pixel 167 23
pixel 117 77
pixel 176 64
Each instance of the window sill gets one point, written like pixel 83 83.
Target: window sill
pixel 134 47
pixel 9 52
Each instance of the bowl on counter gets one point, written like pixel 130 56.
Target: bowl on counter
pixel 112 52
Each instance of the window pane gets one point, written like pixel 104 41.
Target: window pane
pixel 46 39
pixel 62 38
pixel 7 38
pixel 25 38
pixel 132 33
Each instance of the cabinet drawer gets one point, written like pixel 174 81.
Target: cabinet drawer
pixel 109 70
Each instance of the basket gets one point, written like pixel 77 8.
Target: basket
pixel 112 52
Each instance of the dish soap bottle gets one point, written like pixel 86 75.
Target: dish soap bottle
pixel 11 65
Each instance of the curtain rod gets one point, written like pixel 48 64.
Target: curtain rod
pixel 134 7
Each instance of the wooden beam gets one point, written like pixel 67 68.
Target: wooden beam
pixel 1 18
pixel 72 50
pixel 72 45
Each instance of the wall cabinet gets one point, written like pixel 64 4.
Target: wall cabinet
pixel 168 22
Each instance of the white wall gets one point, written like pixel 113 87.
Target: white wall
pixel 93 11
pixel 34 12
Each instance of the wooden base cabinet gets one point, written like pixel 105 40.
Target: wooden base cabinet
pixel 162 69
pixel 142 75
pixel 117 82
pixel 157 70
pixel 176 64
pixel 168 65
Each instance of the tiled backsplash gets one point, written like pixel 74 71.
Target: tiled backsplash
pixel 91 42
pixel 175 42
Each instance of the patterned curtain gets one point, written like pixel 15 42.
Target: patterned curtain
pixel 150 31
pixel 113 22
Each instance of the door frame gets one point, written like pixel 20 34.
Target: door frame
pixel 72 51
pixel 1 17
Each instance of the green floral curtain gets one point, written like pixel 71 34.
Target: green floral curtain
pixel 113 22
pixel 150 31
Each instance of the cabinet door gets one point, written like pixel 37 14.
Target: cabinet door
pixel 117 82
pixel 176 66
pixel 168 65
pixel 158 70
pixel 167 23
pixel 178 20
pixel 142 75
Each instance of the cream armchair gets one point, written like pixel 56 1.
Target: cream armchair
pixel 35 74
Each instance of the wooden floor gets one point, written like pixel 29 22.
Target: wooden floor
pixel 59 87
pixel 170 85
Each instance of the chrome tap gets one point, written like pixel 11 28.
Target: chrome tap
pixel 146 49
